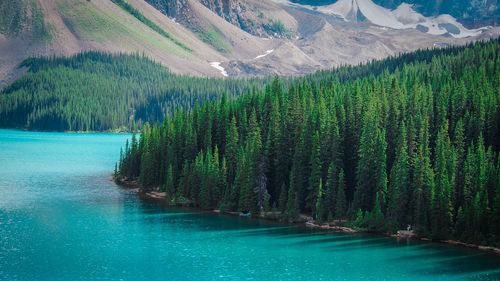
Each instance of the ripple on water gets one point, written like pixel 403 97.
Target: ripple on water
pixel 62 219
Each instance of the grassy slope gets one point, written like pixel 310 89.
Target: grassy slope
pixel 138 15
pixel 90 23
pixel 16 16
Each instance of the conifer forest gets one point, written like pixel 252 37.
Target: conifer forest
pixel 417 143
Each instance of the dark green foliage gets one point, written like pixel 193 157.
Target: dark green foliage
pixel 399 183
pixel 94 91
pixel 340 200
pixel 169 186
pixel 331 191
pixel 315 177
pixel 371 171
pixel 276 26
pixel 375 219
pixel 325 144
pixel 138 15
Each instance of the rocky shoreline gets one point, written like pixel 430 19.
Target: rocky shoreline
pixel 308 222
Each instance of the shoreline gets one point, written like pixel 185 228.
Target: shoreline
pixel 401 234
pixel 70 132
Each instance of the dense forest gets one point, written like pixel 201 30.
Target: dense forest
pixel 407 140
pixel 95 91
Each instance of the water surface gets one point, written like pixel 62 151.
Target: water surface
pixel 61 218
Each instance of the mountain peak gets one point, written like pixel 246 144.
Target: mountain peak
pixel 403 17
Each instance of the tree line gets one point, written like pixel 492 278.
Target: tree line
pixel 416 142
pixel 95 91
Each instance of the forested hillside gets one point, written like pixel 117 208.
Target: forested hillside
pixel 414 142
pixel 94 91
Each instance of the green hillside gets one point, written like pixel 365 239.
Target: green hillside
pixel 94 91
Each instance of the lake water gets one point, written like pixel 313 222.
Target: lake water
pixel 61 218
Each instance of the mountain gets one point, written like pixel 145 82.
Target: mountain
pixel 472 14
pixel 218 38
pixel 403 17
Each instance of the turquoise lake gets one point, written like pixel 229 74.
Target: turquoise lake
pixel 61 218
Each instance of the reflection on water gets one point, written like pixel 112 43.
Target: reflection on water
pixel 62 218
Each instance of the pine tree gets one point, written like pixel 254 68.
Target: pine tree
pixel 253 153
pixel 495 225
pixel 206 189
pixel 371 174
pixel 441 214
pixel 399 182
pixel 315 176
pixel 271 151
pixel 459 147
pixel 283 197
pixel 298 179
pixel 232 150
pixel 377 221
pixel 223 187
pixel 331 191
pixel 423 182
pixel 261 187
pixel 169 186
pixel 319 206
pixel 340 202
pixel 292 204
pixel 358 220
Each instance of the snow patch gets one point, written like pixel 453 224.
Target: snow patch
pixel 217 66
pixel 267 53
pixel 403 17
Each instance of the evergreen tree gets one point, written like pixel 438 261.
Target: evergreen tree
pixel 331 191
pixel 377 221
pixel 283 197
pixel 320 208
pixel 423 182
pixel 399 182
pixel 441 192
pixel 260 188
pixel 232 150
pixel 315 176
pixel 344 128
pixel 169 186
pixel 341 204
pixel 371 172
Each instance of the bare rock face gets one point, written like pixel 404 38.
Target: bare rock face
pixel 228 9
pixel 236 12
pixel 171 8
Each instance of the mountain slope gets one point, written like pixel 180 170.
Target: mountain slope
pixel 208 38
pixel 95 91
pixel 403 17
pixel 472 14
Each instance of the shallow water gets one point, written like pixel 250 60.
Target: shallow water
pixel 61 218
